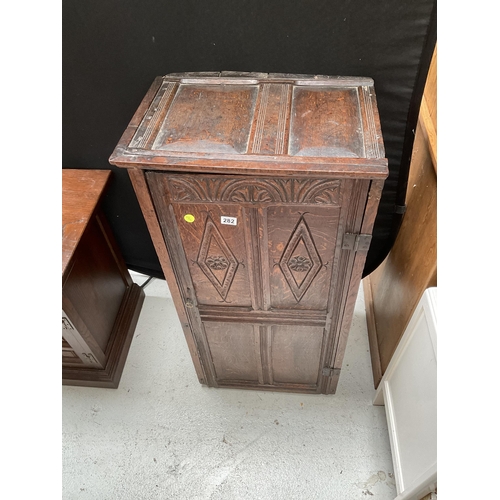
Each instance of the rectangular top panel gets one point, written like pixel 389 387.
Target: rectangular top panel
pixel 208 119
pixel 326 121
pixel 256 121
pixel 81 193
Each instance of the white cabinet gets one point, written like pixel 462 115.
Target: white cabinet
pixel 408 390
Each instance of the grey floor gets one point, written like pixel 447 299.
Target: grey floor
pixel 162 435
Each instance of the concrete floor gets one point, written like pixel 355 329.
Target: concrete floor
pixel 161 435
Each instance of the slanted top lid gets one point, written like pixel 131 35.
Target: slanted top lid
pixel 266 120
pixel 82 191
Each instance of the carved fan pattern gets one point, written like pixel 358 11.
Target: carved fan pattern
pixel 208 189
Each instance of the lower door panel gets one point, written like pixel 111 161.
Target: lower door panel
pixel 274 357
pixel 234 351
pixel 296 354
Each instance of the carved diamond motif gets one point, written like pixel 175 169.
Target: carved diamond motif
pixel 216 259
pixel 300 256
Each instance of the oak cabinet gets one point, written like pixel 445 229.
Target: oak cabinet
pixel 260 192
pixel 100 302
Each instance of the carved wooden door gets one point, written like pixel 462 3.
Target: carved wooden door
pixel 261 269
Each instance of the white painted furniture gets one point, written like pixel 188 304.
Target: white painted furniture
pixel 408 390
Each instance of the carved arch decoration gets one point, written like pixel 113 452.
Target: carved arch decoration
pixel 209 189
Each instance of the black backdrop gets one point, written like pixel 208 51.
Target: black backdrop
pixel 113 50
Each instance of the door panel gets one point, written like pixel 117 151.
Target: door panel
pixel 234 349
pixel 302 243
pixel 296 354
pixel 215 252
pixel 272 355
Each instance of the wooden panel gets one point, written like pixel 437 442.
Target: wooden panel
pixel 101 304
pixel 81 191
pixel 118 348
pixel 430 91
pixel 411 266
pixel 289 252
pixel 428 109
pixel 69 356
pixel 152 120
pixel 394 289
pixel 143 194
pixel 358 212
pixel 214 119
pixel 215 252
pixel 95 286
pixel 296 354
pixel 188 124
pixel 326 122
pixel 80 339
pixel 234 349
pixel 301 250
pixel 251 190
pixel 270 130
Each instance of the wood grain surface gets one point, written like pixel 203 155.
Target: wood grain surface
pixel 81 192
pixel 248 185
pixel 100 302
pixel 257 125
pixel 394 289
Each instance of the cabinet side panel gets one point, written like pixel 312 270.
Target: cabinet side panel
pixel 95 285
pixel 411 266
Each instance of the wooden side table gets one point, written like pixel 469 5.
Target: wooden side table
pixel 100 302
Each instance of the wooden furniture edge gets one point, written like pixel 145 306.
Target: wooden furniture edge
pixel 146 203
pixel 126 322
pixel 427 126
pixel 426 120
pixel 426 129
pixel 370 169
pixel 136 119
pixel 251 164
pixel 368 219
pixel 106 180
pixel 372 332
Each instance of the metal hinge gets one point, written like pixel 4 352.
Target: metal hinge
pixel 329 372
pixel 399 209
pixel 356 242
